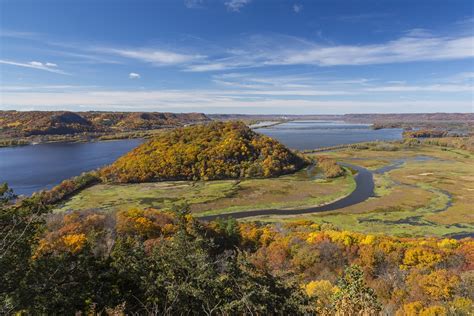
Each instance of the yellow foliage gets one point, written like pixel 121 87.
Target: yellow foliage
pixel 321 288
pixel 74 242
pixel 368 240
pixel 448 243
pixel 315 226
pixel 436 310
pixel 389 246
pixel 345 237
pixel 14 124
pixel 218 150
pixel 267 236
pixel 417 309
pixel 462 305
pixel 312 237
pixel 420 257
pixel 143 224
pixel 410 309
pixel 439 284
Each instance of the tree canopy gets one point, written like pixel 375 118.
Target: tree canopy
pixel 218 150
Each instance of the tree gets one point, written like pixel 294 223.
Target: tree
pixel 354 296
pixel 19 227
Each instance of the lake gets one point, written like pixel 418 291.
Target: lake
pixel 31 168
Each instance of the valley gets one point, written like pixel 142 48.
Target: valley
pixel 417 192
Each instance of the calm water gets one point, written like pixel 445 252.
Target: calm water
pixel 31 168
pixel 313 134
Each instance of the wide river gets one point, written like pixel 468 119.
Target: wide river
pixel 314 134
pixel 31 168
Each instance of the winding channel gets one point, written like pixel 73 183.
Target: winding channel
pixel 364 190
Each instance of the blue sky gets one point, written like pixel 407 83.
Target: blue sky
pixel 237 56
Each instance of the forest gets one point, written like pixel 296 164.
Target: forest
pixel 218 150
pixel 151 261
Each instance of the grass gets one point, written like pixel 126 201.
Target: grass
pixel 304 188
pixel 431 193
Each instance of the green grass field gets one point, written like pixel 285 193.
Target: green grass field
pixel 431 193
pixel 302 189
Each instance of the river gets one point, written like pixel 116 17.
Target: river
pixel 303 135
pixel 27 169
pixel 31 168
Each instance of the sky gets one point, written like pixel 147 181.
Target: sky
pixel 238 56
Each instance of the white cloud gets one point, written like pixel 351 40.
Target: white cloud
pixel 214 102
pixel 155 56
pixel 34 88
pixel 405 49
pixel 35 65
pixel 297 8
pixel 40 64
pixel 422 88
pixel 261 52
pixel 192 4
pixel 236 5
pixel 134 75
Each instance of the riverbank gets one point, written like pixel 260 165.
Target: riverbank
pixel 266 124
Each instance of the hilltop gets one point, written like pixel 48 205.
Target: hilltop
pixel 218 150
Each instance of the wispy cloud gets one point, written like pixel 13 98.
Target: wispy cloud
pixel 42 88
pixel 213 102
pixel 236 5
pixel 51 67
pixel 362 16
pixel 417 45
pixel 19 34
pixel 156 57
pixel 422 88
pixel 193 4
pixel 405 49
pixel 134 75
pixel 259 51
pixel 297 8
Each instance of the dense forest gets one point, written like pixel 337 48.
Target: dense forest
pixel 211 151
pixel 153 262
pixel 31 123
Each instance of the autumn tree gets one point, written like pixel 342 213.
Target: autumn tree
pixel 354 297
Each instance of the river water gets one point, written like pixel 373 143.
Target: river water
pixel 314 134
pixel 31 168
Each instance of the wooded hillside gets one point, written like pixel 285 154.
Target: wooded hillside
pixel 213 151
pixel 30 123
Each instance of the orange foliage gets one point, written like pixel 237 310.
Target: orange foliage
pixel 216 150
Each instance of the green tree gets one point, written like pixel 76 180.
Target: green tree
pixel 19 227
pixel 354 296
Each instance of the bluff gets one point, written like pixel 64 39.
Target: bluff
pixel 217 150
pixel 32 123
